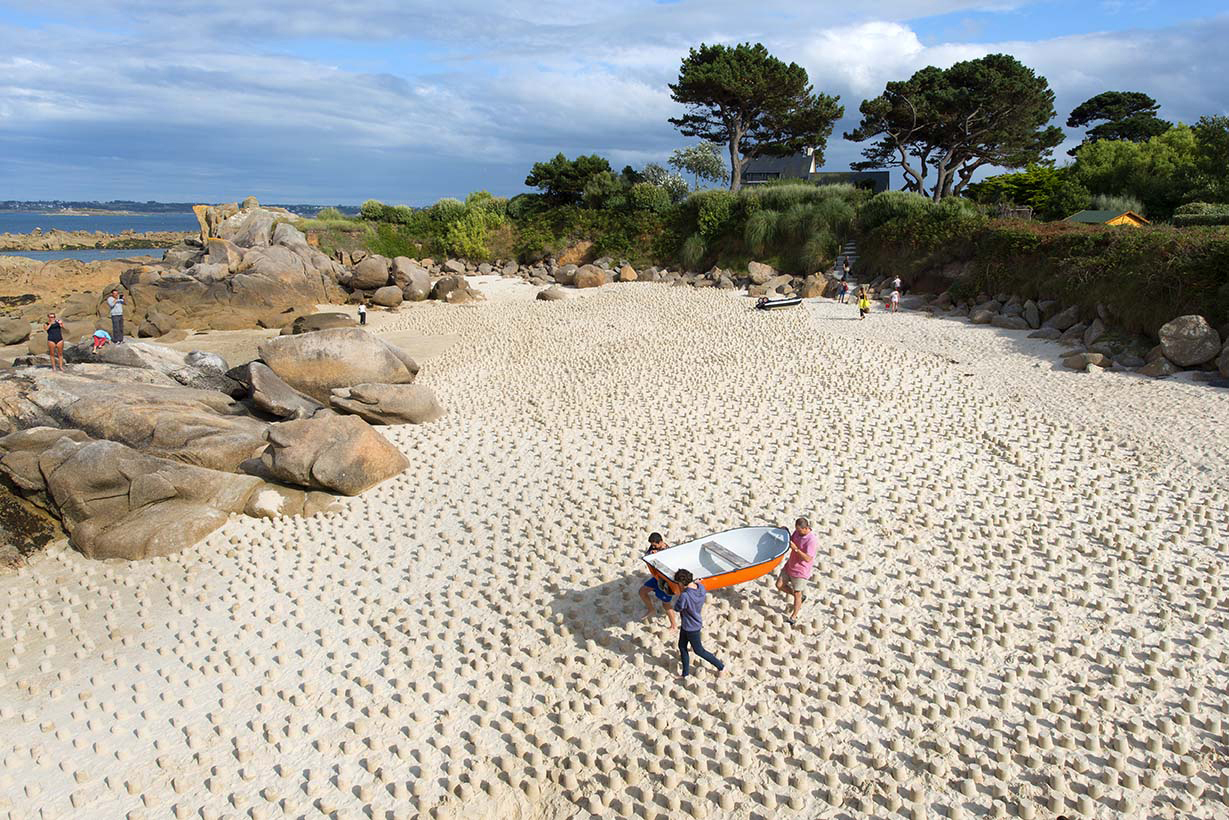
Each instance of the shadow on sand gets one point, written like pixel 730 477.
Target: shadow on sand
pixel 610 614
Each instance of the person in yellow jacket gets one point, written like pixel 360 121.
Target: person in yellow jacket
pixel 864 303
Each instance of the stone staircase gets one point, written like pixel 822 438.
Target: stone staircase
pixel 848 251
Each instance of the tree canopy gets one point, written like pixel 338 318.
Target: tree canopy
pixel 1123 115
pixel 753 103
pixel 1052 193
pixel 990 111
pixel 1158 172
pixel 563 181
pixel 703 161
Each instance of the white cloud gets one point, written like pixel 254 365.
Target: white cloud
pixel 465 96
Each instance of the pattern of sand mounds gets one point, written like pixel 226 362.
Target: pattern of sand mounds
pixel 1019 606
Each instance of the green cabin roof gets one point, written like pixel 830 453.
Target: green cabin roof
pixel 1098 217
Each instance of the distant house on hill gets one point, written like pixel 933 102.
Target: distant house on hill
pixel 1108 218
pixel 802 166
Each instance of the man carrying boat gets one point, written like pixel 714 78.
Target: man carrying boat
pixel 798 566
pixel 652 587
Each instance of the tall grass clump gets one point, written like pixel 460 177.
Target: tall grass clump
pixel 1117 202
pixel 761 231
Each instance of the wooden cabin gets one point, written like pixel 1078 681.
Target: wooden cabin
pixel 1108 218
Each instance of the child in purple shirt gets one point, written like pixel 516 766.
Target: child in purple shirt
pixel 688 604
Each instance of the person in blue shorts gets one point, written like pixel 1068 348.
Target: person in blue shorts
pixel 651 586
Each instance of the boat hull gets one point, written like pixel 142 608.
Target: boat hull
pixel 723 559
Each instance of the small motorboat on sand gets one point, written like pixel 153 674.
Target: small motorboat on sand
pixel 723 559
pixel 765 303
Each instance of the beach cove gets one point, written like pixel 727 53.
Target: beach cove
pixel 1018 608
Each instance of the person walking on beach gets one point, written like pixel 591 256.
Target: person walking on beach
pixel 894 300
pixel 798 566
pixel 362 313
pixel 55 341
pixel 689 602
pixel 844 292
pixel 116 302
pixel 653 587
pixel 864 304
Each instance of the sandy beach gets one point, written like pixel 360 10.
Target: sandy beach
pixel 1019 606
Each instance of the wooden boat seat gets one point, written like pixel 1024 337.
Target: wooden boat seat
pixel 734 560
pixel 662 567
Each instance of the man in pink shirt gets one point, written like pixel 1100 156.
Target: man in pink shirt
pixel 798 565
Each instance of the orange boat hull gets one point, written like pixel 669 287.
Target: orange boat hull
pixel 725 579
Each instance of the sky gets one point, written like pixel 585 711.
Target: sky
pixel 407 101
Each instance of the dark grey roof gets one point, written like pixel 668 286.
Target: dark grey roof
pixel 798 166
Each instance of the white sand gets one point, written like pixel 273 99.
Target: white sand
pixel 1019 607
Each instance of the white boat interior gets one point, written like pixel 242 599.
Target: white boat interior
pixel 722 552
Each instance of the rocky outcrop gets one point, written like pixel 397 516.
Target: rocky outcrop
pixel 454 290
pixel 316 363
pixel 195 369
pixel 344 454
pixel 57 240
pixel 388 296
pixel 318 321
pixel 552 294
pixel 388 403
pixel 1188 341
pixel 246 266
pixel 273 396
pixel 115 502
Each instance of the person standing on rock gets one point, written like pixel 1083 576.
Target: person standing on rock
pixel 55 341
pixel 803 544
pixel 116 302
pixel 654 588
pixel 362 313
pixel 689 602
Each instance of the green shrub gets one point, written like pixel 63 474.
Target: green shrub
pixel 693 251
pixel 447 210
pixel 761 231
pixel 714 210
pixel 330 215
pixel 645 196
pixel 372 210
pixel 1192 208
pixel 888 206
pixel 1207 219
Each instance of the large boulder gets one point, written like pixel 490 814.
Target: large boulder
pixel 255 231
pixel 116 502
pixel 272 395
pixel 220 251
pixel 565 274
pixel 981 316
pixel 388 296
pixel 1222 363
pixel 454 290
pixel 591 276
pixel 370 274
pixel 156 323
pixel 1159 367
pixel 318 321
pixel 1065 319
pixel 815 286
pixel 14 331
pixel 1006 322
pixel 1032 314
pixel 554 293
pixel 191 370
pixel 1189 341
pixel 412 278
pixel 760 273
pixel 343 454
pixel 388 403
pixel 315 363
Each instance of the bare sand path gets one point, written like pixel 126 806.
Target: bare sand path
pixel 1019 607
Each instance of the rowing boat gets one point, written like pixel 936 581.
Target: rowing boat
pixel 723 559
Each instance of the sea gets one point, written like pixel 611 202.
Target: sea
pixel 90 255
pixel 24 222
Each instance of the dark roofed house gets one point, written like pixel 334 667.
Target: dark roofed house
pixel 802 167
pixel 1108 218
